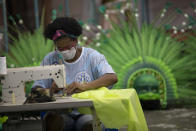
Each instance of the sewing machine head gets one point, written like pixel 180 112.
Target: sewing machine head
pixel 13 83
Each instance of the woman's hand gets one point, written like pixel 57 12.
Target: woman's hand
pixel 104 81
pixel 75 87
pixel 54 88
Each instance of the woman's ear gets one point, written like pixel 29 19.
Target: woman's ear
pixel 76 41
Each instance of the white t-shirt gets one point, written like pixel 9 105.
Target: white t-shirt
pixel 88 67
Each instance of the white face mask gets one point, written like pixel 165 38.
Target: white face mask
pixel 68 54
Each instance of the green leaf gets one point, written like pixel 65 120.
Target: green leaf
pixel 192 5
pixel 102 9
pixel 179 10
pixel 167 5
pixel 60 8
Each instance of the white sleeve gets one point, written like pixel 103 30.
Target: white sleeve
pixel 100 65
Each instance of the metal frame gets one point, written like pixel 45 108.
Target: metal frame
pixel 36 10
pixel 145 11
pixel 67 11
pixel 93 11
pixel 3 2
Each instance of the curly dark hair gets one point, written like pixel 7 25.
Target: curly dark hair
pixel 67 24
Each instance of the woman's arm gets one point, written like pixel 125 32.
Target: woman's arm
pixel 104 81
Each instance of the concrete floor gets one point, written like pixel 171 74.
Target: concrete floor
pixel 181 119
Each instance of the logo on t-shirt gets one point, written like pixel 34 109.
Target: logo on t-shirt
pixel 82 77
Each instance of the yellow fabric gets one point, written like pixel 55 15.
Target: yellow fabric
pixel 117 108
pixel 3 119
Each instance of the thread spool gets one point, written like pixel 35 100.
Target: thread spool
pixel 13 98
pixel 3 69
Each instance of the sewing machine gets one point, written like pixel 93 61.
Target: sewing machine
pixel 13 80
pixel 13 95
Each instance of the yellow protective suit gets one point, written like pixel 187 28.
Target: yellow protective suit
pixel 117 108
